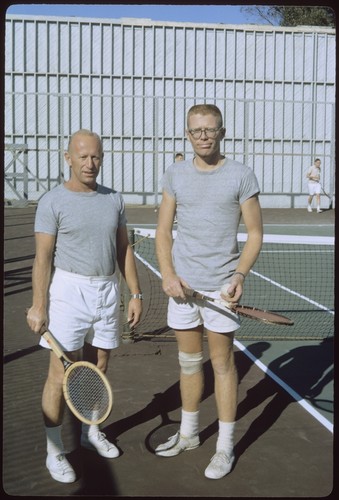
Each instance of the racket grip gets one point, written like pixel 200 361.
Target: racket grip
pixel 189 292
pixel 43 329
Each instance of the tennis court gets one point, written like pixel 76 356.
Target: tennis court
pixel 284 435
pixel 280 281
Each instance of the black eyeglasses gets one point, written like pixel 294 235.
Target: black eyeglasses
pixel 211 133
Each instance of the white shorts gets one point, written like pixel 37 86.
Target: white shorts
pixel 314 188
pixel 215 317
pixel 84 308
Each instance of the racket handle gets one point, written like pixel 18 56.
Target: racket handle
pixel 56 348
pixel 193 293
pixel 53 343
pixel 189 292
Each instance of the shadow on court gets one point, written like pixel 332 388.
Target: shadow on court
pixel 306 369
pixel 168 401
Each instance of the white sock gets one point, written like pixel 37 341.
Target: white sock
pixel 225 437
pixel 54 442
pixel 189 423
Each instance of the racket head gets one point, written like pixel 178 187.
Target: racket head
pixel 87 392
pixel 161 434
pixel 267 317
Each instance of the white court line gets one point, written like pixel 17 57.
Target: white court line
pixel 299 399
pixel 307 406
pixel 296 226
pixel 292 292
pixel 147 264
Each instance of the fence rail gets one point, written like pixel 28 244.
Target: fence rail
pixel 278 139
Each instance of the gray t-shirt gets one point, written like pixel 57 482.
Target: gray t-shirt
pixel 205 251
pixel 85 226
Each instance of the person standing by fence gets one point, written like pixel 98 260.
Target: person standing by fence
pixel 314 186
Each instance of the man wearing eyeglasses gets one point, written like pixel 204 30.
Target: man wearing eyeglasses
pixel 209 194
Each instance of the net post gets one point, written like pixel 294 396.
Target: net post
pixel 131 236
pixel 127 334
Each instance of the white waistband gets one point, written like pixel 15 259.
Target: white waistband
pixel 67 274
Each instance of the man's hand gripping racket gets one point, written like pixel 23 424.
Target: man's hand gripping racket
pixel 86 389
pixel 267 317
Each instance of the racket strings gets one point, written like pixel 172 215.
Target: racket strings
pixel 87 393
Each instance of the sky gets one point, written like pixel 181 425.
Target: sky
pixel 199 13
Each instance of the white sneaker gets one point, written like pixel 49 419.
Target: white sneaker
pixel 220 465
pixel 319 210
pixel 98 442
pixel 177 444
pixel 309 208
pixel 60 469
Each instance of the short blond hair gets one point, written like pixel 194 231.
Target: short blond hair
pixel 205 109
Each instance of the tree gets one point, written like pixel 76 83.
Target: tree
pixel 293 16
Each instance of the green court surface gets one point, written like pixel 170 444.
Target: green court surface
pixel 299 358
pixel 306 366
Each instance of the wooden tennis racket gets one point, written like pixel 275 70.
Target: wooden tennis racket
pixel 86 389
pixel 328 196
pixel 261 315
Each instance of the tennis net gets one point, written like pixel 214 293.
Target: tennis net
pixel 293 276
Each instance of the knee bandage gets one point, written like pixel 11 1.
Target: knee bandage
pixel 190 363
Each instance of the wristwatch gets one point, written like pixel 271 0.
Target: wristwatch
pixel 136 296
